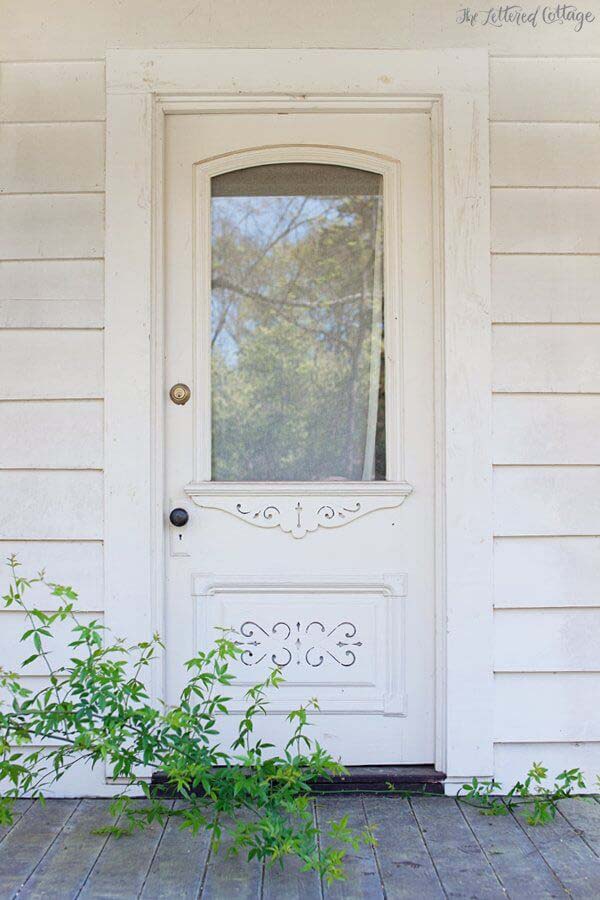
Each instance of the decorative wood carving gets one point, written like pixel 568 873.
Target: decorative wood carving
pixel 312 644
pixel 299 508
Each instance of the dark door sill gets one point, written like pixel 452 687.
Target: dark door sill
pixel 384 780
pixel 360 780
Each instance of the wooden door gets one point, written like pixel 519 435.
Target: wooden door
pixel 299 313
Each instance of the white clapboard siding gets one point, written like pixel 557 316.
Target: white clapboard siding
pixel 78 781
pixel 546 571
pixel 539 220
pixel 513 761
pixel 545 89
pixel 546 640
pixel 51 505
pixel 14 624
pixel 50 364
pixel 546 358
pixel 52 91
pixel 546 288
pixel 30 683
pixel 76 564
pixel 546 500
pixel 51 434
pixel 52 157
pixel 54 279
pixel 546 429
pixel 51 313
pixel 547 707
pixel 544 154
pixel 52 226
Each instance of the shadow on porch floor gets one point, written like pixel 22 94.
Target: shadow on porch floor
pixel 428 847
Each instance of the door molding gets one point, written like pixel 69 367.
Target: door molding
pixel 452 86
pixel 307 642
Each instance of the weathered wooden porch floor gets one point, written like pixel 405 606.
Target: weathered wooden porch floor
pixel 428 847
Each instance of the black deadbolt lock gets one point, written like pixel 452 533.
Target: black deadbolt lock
pixel 179 517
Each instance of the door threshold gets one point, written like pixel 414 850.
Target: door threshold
pixel 384 780
pixel 357 780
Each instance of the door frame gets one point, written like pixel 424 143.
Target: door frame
pixel 144 86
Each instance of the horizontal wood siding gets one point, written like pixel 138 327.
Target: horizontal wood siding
pixel 52 92
pixel 545 220
pixel 546 429
pixel 52 157
pixel 52 293
pixel 56 279
pixel 546 500
pixel 542 154
pixel 50 365
pixel 545 150
pixel 553 706
pixel 546 358
pixel 78 564
pixel 547 640
pixel 513 760
pixel 50 505
pixel 51 313
pixel 545 288
pixel 51 345
pixel 15 623
pixel 547 571
pixel 51 226
pixel 551 89
pixel 65 434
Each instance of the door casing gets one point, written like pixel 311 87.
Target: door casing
pixel 145 86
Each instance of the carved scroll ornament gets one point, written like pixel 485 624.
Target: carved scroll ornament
pixel 296 511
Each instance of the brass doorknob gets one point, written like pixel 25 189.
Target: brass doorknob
pixel 180 394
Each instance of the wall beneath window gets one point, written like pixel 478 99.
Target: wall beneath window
pixel 545 146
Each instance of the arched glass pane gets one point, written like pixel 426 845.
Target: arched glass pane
pixel 297 324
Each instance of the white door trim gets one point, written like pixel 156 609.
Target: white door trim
pixel 143 87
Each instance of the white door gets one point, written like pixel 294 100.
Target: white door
pixel 299 313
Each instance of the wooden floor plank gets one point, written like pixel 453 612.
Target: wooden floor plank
pixel 27 842
pixel 121 868
pixel 50 850
pixel 404 863
pixel 517 862
pixel 290 883
pixel 362 877
pixel 62 872
pixel 574 864
pixel 179 864
pixel 19 809
pixel 231 877
pixel 583 813
pixel 460 862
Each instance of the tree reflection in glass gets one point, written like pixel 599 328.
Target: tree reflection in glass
pixel 297 324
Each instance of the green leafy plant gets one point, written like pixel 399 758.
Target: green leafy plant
pixel 96 710
pixel 534 795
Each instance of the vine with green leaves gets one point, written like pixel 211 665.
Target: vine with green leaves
pixel 96 710
pixel 537 799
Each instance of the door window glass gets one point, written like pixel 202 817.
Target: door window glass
pixel 297 358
